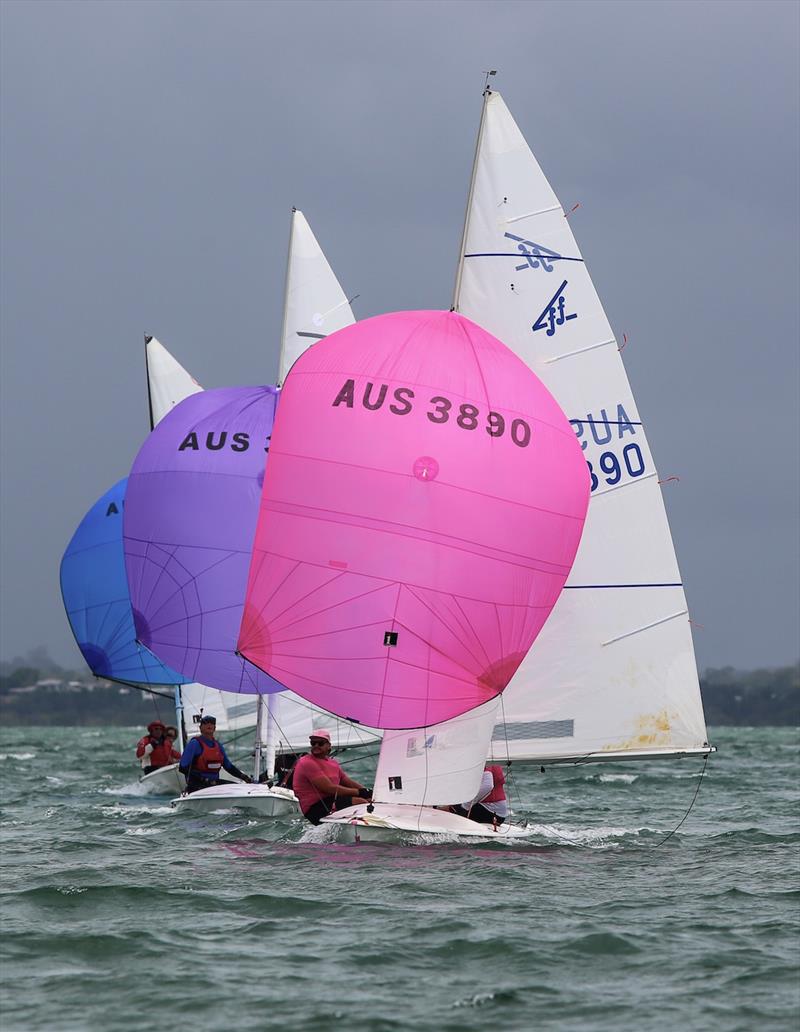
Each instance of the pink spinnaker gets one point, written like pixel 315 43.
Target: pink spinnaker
pixel 422 507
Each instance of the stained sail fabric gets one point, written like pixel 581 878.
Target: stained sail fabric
pixel 422 506
pixel 168 383
pixel 315 303
pixel 190 515
pixel 614 669
pixel 95 593
pixel 435 765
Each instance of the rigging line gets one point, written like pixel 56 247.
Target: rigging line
pixel 691 805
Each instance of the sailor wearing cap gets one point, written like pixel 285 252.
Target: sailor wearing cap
pixel 320 784
pixel 204 757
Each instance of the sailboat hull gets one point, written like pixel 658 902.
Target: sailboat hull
pixel 267 802
pixel 395 822
pixel 165 781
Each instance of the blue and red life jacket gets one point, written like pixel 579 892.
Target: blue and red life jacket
pixel 209 763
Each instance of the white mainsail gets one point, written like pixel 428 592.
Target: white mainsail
pixel 167 381
pixel 613 673
pixel 292 720
pixel 315 304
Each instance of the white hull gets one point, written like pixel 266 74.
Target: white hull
pixel 393 822
pixel 165 781
pixel 268 802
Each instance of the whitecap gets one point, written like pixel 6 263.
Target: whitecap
pixel 478 1000
pixel 583 836
pixel 627 779
pixel 17 755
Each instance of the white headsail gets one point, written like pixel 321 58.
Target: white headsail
pixel 315 304
pixel 613 673
pixel 167 381
pixel 435 765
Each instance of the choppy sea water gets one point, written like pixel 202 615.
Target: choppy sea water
pixel 118 914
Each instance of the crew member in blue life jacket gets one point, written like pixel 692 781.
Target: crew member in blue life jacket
pixel 204 757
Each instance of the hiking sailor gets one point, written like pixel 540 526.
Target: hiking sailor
pixel 204 757
pixel 320 784
pixel 489 805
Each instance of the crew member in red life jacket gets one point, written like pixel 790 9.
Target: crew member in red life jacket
pixel 320 784
pixel 204 757
pixel 490 805
pixel 155 749
pixel 172 734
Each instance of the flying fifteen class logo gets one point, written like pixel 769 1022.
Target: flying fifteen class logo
pixel 554 312
pixel 535 255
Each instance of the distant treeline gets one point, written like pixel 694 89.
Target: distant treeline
pixel 103 707
pixel 753 698
pixel 750 698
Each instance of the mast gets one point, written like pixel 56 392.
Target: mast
pixel 257 750
pixel 460 267
pixel 179 718
pixel 269 762
pixel 286 287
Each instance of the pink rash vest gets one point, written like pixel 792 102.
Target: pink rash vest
pixel 309 767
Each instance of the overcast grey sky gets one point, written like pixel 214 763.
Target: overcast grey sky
pixel 151 153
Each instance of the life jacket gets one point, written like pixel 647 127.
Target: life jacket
pixel 161 756
pixel 209 763
pixel 498 793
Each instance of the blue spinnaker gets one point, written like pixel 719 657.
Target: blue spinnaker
pixel 94 587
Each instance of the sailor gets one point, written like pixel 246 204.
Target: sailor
pixel 172 734
pixel 490 805
pixel 154 750
pixel 320 784
pixel 204 757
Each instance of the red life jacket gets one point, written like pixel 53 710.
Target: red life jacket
pixel 161 756
pixel 498 793
pixel 209 763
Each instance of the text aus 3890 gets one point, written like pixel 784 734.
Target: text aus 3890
pixel 440 410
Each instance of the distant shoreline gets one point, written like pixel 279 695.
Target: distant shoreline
pixel 731 698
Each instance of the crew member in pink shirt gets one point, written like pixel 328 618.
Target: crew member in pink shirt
pixel 320 784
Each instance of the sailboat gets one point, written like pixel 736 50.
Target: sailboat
pixel 94 585
pixel 187 578
pixel 613 674
pixel 422 506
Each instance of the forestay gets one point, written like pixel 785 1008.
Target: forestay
pixel 315 303
pixel 422 506
pixel 613 671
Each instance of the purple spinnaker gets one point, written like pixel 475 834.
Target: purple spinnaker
pixel 190 516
